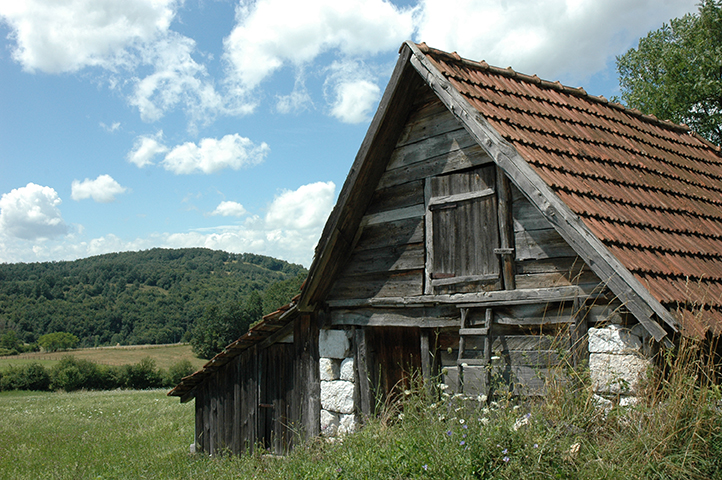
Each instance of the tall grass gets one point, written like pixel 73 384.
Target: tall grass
pixel 674 432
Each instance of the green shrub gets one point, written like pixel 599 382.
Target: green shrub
pixel 7 351
pixel 177 371
pixel 142 375
pixel 72 374
pixel 32 376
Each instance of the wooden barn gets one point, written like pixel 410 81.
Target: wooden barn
pixel 493 225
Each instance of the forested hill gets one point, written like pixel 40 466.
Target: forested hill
pixel 153 296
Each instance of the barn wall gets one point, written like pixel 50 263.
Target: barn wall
pixel 267 396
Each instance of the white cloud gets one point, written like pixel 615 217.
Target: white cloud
pixel 103 189
pixel 573 38
pixel 146 148
pixel 289 231
pixel 229 209
pixel 296 101
pixel 212 155
pixel 271 33
pixel 302 209
pixel 113 127
pixel 64 36
pixel 177 79
pixel 31 212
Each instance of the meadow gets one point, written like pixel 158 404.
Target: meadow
pixel 164 356
pixel 674 432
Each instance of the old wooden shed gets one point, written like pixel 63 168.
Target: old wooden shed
pixel 492 225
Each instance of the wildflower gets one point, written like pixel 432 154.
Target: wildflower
pixel 449 432
pixel 482 398
pixel 407 392
pixel 536 445
pixel 462 443
pixel 505 451
pixel 506 459
pixel 401 416
pixel 463 436
pixel 462 421
pixel 465 427
pixel 425 466
pixel 521 422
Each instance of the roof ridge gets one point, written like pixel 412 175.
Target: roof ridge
pixel 558 86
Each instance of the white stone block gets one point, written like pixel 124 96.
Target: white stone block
pixel 337 396
pixel 333 344
pixel 613 339
pixel 617 374
pixel 328 368
pixel 346 370
pixel 329 423
pixel 347 424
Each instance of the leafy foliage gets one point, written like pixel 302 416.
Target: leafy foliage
pixel 149 297
pixel 52 342
pixel 676 72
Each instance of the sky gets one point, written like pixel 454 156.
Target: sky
pixel 226 124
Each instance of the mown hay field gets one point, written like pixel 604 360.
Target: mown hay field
pixel 164 356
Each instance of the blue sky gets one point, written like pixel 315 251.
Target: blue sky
pixel 232 125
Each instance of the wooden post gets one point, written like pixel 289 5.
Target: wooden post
pixel 488 342
pixel 578 333
pixel 506 229
pixel 362 374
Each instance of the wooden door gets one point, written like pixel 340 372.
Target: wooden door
pixel 276 382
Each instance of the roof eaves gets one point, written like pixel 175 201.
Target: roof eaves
pixel 625 286
pixel 255 335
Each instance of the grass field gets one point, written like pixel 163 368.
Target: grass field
pixel 164 356
pixel 674 432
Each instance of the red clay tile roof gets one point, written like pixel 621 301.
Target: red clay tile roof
pixel 650 190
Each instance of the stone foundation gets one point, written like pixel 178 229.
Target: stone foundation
pixel 617 364
pixel 336 366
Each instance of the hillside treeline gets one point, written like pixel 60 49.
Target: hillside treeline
pixel 149 297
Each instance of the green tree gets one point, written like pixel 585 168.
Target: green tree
pixel 676 72
pixel 52 342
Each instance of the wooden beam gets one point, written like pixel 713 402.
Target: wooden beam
pixel 392 318
pixel 362 374
pixel 477 299
pixel 506 230
pixel 617 278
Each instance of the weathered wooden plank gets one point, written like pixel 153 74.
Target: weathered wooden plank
pixel 527 216
pixel 475 299
pixel 506 229
pixel 414 211
pixel 542 280
pixel 396 197
pixel 448 200
pixel 361 374
pixel 431 146
pixel 386 284
pixel 468 157
pixel 428 119
pixel 399 232
pixel 552 265
pixel 387 259
pixel 424 317
pixel 539 244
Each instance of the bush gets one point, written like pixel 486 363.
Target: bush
pixel 7 351
pixel 52 342
pixel 32 376
pixel 73 374
pixel 177 371
pixel 142 375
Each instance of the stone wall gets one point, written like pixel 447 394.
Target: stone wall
pixel 617 361
pixel 337 383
